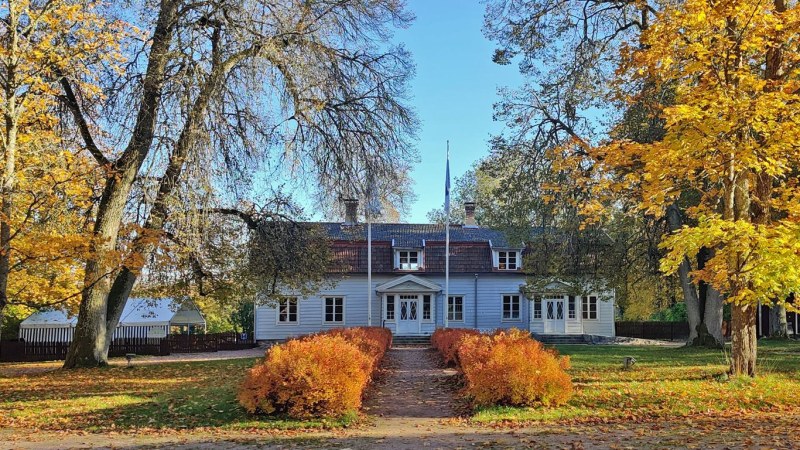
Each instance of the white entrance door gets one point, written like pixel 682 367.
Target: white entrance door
pixel 408 315
pixel 554 316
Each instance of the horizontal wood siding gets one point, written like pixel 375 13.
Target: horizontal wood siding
pixel 604 325
pixel 490 288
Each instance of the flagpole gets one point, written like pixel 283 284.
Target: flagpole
pixel 369 269
pixel 447 241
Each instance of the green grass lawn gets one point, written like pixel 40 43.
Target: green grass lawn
pixel 666 382
pixel 186 395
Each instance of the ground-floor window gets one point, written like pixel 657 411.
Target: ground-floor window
pixel 537 308
pixel 426 307
pixel 572 314
pixel 589 307
pixel 287 310
pixel 334 309
pixel 455 308
pixel 511 307
pixel 389 307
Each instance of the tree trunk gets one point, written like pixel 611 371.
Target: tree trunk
pixel 696 313
pixel 154 224
pixel 11 122
pixel 2 317
pixel 88 348
pixel 778 324
pixel 712 318
pixel 743 340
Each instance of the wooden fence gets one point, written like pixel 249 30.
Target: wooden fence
pixel 653 330
pixel 21 351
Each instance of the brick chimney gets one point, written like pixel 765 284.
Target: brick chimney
pixel 469 215
pixel 350 211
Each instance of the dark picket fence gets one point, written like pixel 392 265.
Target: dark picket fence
pixel 653 330
pixel 20 351
pixel 197 343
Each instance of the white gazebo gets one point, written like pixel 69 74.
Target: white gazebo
pixel 141 318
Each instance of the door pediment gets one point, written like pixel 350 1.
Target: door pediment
pixel 409 283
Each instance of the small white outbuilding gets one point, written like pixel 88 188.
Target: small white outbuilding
pixel 141 318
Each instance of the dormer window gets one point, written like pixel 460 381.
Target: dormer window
pixel 409 259
pixel 508 260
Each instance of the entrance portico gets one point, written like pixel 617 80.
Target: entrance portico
pixel 409 305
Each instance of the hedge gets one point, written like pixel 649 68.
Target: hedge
pixel 506 367
pixel 320 375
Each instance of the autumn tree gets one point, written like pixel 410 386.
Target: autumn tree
pixel 568 53
pixel 229 88
pixel 46 182
pixel 731 137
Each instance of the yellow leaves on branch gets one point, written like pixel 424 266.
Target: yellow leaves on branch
pixel 52 180
pixel 724 77
pixel 750 262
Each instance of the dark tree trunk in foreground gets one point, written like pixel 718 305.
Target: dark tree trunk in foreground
pixel 88 347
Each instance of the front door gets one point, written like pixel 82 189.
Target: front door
pixel 408 315
pixel 554 316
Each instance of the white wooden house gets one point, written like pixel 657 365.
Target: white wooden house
pixel 488 287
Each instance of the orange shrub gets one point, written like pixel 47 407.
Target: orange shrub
pixel 373 341
pixel 320 375
pixel 447 340
pixel 511 368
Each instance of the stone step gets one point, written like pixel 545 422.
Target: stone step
pixel 561 339
pixel 411 341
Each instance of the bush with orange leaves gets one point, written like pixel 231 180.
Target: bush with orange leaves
pixel 511 368
pixel 447 340
pixel 322 375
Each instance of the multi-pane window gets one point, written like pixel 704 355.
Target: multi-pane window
pixel 426 307
pixel 571 307
pixel 589 307
pixel 455 308
pixel 507 260
pixel 537 308
pixel 287 310
pixel 511 307
pixel 334 309
pixel 389 307
pixel 408 260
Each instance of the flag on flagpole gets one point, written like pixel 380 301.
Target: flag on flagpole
pixel 447 184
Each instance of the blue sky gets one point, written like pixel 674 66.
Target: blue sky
pixel 453 91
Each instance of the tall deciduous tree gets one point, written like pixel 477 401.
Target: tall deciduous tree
pixel 46 183
pixel 732 138
pixel 312 86
pixel 569 51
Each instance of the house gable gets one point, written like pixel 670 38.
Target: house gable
pixel 409 283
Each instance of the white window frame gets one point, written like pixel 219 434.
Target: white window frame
pixel 451 318
pixel 506 253
pixel 432 303
pixel 511 310
pixel 537 302
pixel 325 309
pixel 386 310
pixel 573 301
pixel 278 312
pixel 586 307
pixel 398 264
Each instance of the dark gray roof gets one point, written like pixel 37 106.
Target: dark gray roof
pixel 411 235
